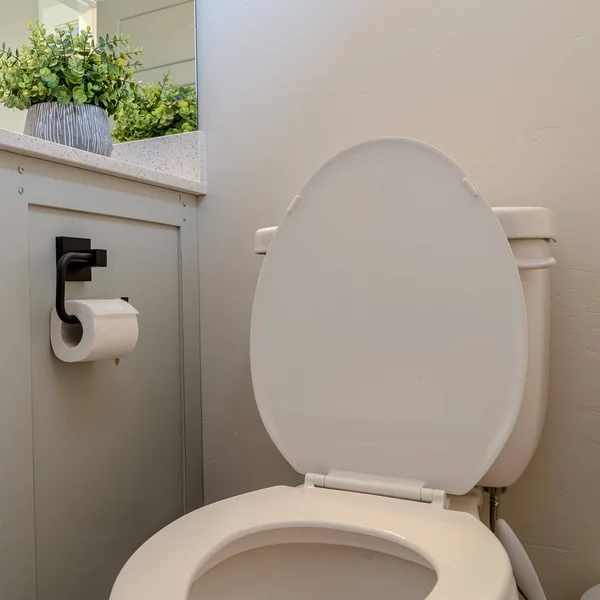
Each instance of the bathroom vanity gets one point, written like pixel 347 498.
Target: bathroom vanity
pixel 83 480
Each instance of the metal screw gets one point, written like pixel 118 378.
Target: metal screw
pixel 21 190
pixel 21 170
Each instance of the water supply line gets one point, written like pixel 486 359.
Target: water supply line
pixel 495 493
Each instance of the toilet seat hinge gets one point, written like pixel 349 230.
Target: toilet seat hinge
pixel 405 489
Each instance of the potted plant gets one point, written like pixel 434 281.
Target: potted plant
pixel 69 84
pixel 156 109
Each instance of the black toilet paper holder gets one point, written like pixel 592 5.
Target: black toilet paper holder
pixel 75 259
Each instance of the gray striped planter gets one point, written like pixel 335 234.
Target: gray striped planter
pixel 85 127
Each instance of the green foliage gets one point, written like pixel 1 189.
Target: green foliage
pixel 63 67
pixel 157 109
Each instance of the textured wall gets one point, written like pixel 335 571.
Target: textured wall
pixel 511 91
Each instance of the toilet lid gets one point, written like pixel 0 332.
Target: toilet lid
pixel 388 331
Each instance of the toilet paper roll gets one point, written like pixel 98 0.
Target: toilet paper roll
pixel 108 329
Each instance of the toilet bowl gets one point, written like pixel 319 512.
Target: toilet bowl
pixel 392 366
pixel 407 543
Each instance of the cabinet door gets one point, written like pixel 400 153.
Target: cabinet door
pixel 108 468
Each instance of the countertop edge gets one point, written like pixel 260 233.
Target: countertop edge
pixel 17 143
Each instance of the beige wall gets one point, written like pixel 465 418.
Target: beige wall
pixel 510 90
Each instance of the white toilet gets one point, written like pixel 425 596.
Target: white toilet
pixel 393 365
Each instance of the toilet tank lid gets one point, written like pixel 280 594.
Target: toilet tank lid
pixel 518 223
pixel 526 222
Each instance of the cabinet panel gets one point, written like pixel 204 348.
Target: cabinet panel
pixel 96 457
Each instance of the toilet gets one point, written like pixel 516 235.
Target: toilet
pixel 399 355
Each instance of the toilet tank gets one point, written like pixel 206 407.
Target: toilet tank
pixel 530 232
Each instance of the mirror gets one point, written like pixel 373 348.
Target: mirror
pixel 164 28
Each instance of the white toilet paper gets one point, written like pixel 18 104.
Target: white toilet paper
pixel 109 329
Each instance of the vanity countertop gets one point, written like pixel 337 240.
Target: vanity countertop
pixel 19 143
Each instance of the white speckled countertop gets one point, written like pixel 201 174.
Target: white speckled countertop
pixel 182 154
pixel 18 143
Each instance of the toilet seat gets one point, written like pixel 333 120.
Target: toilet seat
pixel 469 561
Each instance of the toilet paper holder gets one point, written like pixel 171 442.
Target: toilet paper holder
pixel 74 261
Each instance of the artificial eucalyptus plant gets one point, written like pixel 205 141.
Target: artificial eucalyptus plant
pixel 156 109
pixel 65 67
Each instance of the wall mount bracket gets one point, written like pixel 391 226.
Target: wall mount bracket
pixel 74 261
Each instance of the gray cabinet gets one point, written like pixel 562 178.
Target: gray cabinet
pixel 94 457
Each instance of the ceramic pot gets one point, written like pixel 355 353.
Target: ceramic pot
pixel 85 127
